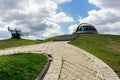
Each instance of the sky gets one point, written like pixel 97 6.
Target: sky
pixel 42 19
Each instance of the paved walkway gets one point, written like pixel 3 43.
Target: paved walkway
pixel 76 65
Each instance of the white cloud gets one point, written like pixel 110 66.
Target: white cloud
pixel 4 33
pixel 39 17
pixel 61 17
pixel 103 16
pixel 62 1
pixel 107 18
pixel 72 28
pixel 105 4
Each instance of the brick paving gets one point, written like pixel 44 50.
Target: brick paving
pixel 76 65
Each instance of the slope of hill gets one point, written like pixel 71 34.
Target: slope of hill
pixel 15 43
pixel 105 47
pixel 66 37
pixel 61 38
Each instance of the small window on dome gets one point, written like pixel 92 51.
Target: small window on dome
pixel 83 29
pixel 87 28
pixel 80 29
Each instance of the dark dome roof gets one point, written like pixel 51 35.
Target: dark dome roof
pixel 86 28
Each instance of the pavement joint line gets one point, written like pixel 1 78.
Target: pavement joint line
pixel 107 72
pixel 54 70
pixel 61 69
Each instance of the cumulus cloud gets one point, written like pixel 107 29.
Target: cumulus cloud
pixel 62 1
pixel 38 17
pixel 72 28
pixel 4 33
pixel 105 4
pixel 107 18
pixel 61 17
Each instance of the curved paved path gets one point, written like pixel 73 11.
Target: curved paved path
pixel 76 66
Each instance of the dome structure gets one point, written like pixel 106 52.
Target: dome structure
pixel 86 28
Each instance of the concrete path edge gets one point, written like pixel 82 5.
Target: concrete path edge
pixel 107 72
pixel 54 70
pixel 46 67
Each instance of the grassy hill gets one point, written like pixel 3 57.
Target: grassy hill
pixel 16 42
pixel 105 47
pixel 50 39
pixel 8 43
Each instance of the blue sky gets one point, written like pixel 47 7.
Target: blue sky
pixel 76 9
pixel 47 18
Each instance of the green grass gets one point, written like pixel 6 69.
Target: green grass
pixel 105 47
pixel 50 39
pixel 8 43
pixel 16 42
pixel 21 66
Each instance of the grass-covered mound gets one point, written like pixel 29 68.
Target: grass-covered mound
pixel 105 47
pixel 15 43
pixel 50 39
pixel 21 66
